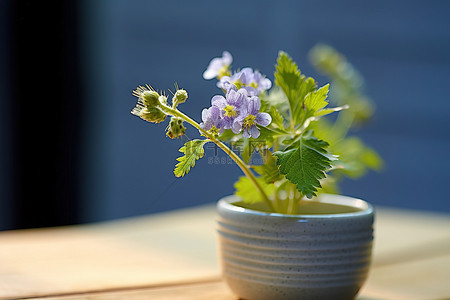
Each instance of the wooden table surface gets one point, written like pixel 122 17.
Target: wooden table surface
pixel 173 256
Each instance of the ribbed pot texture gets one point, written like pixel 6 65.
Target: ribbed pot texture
pixel 267 256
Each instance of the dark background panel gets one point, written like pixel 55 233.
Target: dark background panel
pixel 43 110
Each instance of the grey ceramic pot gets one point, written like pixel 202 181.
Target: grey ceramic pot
pixel 307 256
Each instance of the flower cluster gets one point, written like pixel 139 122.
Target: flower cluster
pixel 238 111
pixel 245 78
pixel 219 68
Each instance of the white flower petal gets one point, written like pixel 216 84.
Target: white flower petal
pixel 213 68
pixel 214 113
pixel 227 59
pixel 254 104
pixel 254 131
pixel 246 133
pixel 205 114
pixel 236 127
pixel 219 101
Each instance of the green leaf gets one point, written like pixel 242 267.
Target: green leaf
pixel 276 97
pixel 265 105
pixel 288 77
pixel 193 150
pixel 277 118
pixel 355 158
pixel 293 83
pixel 269 170
pixel 316 101
pixel 347 82
pixel 267 135
pixel 305 163
pixel 329 185
pixel 247 191
pixel 227 135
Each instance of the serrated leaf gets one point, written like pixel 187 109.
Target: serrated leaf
pixel 277 118
pixel 277 98
pixel 193 150
pixel 315 101
pixel 305 164
pixel 288 76
pixel 269 171
pixel 265 105
pixel 308 86
pixel 294 85
pixel 247 191
pixel 355 158
pixel 267 135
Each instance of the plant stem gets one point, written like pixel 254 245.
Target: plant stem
pixel 293 205
pixel 277 200
pixel 176 113
pixel 343 124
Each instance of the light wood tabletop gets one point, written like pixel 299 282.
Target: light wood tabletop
pixel 173 255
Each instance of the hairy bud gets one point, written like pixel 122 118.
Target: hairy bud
pixel 150 98
pixel 152 114
pixel 175 128
pixel 180 96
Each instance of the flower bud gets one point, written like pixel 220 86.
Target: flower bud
pixel 152 114
pixel 150 98
pixel 175 128
pixel 180 96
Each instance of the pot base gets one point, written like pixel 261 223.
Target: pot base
pixel 253 290
pixel 268 256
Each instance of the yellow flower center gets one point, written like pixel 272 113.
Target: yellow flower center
pixel 238 84
pixel 249 121
pixel 214 131
pixel 254 85
pixel 229 111
pixel 224 71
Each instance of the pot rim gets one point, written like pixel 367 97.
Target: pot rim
pixel 366 208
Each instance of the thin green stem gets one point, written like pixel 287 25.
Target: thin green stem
pixel 291 119
pixel 176 113
pixel 277 199
pixel 343 124
pixel 292 200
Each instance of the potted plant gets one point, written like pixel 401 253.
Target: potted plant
pixel 282 235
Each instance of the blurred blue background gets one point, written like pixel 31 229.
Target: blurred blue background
pixel 401 48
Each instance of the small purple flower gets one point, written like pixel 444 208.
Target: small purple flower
pixel 250 117
pixel 246 78
pixel 219 66
pixel 227 82
pixel 260 82
pixel 230 105
pixel 212 120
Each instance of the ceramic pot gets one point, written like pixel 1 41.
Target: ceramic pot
pixel 317 255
